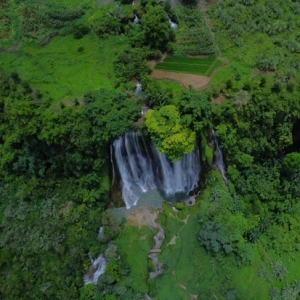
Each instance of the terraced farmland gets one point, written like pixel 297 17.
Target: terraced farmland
pixel 200 66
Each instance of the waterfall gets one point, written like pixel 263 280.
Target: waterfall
pixel 101 235
pixel 172 24
pixel 112 166
pixel 219 161
pixel 142 167
pixel 96 269
pixel 136 19
pixel 138 89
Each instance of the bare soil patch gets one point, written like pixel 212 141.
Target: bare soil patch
pixel 219 99
pixel 173 240
pixel 144 216
pixel 196 81
pixel 65 208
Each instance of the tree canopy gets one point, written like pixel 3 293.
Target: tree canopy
pixel 168 133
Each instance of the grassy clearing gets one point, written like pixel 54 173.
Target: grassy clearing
pixel 199 66
pixel 134 245
pixel 66 68
pixel 231 72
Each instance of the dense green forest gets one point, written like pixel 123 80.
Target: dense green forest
pixel 68 74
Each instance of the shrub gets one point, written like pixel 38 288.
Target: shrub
pixel 212 237
pixel 80 31
pixel 279 271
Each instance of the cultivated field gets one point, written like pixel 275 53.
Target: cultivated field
pixel 200 66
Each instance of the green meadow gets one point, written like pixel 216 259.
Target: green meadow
pixel 66 67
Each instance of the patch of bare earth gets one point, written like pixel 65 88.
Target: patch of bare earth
pixel 219 99
pixel 144 216
pixel 173 240
pixel 196 81
pixel 65 208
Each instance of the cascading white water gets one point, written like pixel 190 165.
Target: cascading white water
pixel 172 24
pixel 142 168
pixel 136 19
pixel 138 89
pixel 101 235
pixel 113 168
pixel 97 268
pixel 219 161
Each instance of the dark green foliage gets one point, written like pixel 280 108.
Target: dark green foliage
pixel 112 113
pixel 156 28
pixel 135 35
pixel 49 237
pixel 277 87
pixel 266 63
pixel 106 22
pixel 131 64
pixel 195 110
pixel 26 87
pixel 224 227
pixel 156 95
pixel 80 31
pixel 80 49
pixel 15 77
pixel 54 185
pixel 212 236
pixel 291 163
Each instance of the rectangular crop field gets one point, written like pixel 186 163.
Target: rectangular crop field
pixel 200 66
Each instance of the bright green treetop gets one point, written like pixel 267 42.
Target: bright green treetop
pixel 168 134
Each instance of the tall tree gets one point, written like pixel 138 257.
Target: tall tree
pixel 157 30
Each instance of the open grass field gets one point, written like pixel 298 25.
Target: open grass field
pixel 135 244
pixel 66 68
pixel 199 66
